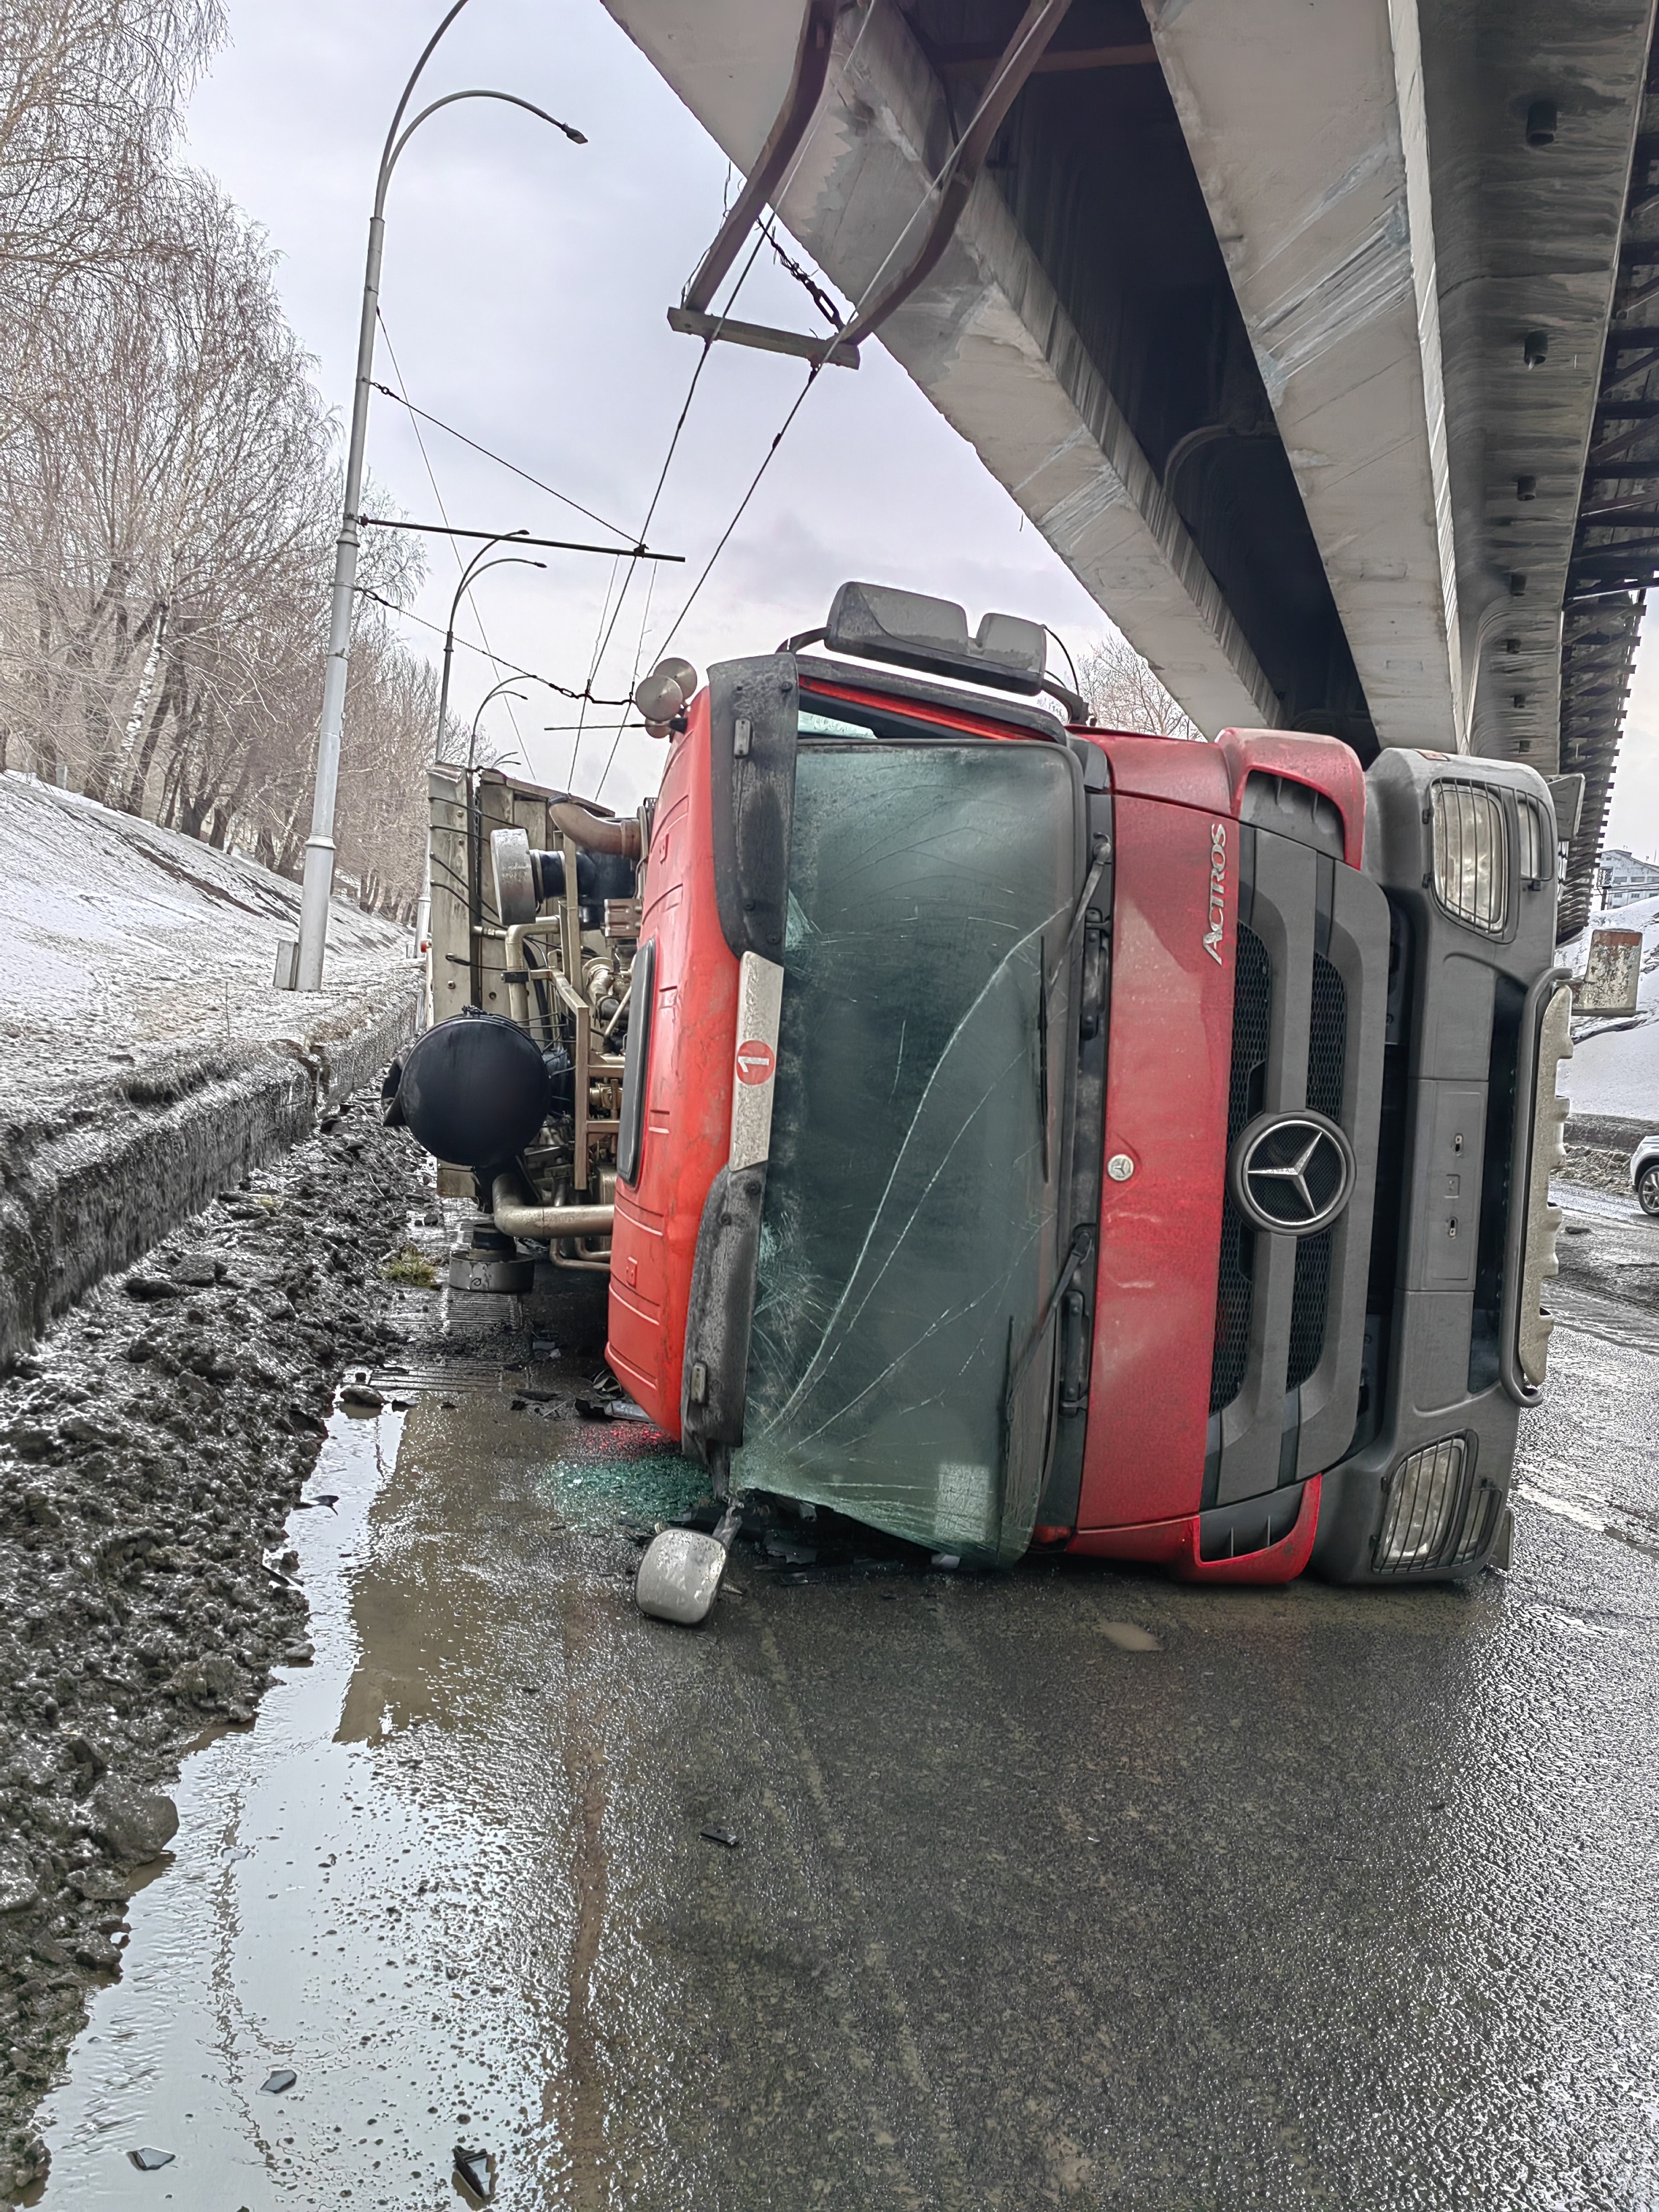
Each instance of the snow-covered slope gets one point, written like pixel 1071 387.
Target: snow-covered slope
pixel 119 941
pixel 146 1057
pixel 1614 1068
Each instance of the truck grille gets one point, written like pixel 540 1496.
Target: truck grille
pixel 1311 1290
pixel 1310 1007
pixel 1327 1040
pixel 1310 1299
pixel 1253 998
pixel 1328 1047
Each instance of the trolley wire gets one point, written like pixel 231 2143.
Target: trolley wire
pixel 633 680
pixel 530 675
pixel 502 461
pixel 602 641
pixel 431 477
pixel 761 239
pixel 742 506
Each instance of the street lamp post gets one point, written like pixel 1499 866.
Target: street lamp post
pixel 318 876
pixel 469 575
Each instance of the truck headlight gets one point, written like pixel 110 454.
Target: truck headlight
pixel 1471 854
pixel 1422 1499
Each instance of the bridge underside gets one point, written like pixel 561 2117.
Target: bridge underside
pixel 1288 326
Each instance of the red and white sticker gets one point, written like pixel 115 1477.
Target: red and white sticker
pixel 760 1003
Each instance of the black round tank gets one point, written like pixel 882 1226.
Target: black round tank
pixel 475 1090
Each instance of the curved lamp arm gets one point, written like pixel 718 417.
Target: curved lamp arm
pixel 473 572
pixel 471 743
pixel 427 51
pixel 449 634
pixel 389 158
pixel 320 846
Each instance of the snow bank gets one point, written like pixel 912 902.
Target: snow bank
pixel 1613 1072
pixel 146 1059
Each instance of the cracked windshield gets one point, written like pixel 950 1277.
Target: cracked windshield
pixel 930 895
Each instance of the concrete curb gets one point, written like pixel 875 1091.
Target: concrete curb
pixel 89 1191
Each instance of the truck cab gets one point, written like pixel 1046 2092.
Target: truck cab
pixel 1031 1134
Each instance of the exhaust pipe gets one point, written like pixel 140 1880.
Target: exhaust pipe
pixel 598 833
pixel 513 1218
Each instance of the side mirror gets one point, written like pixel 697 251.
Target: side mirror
pixel 679 1576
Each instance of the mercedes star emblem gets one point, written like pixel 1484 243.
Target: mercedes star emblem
pixel 1291 1174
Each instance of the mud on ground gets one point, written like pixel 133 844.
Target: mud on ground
pixel 1596 1168
pixel 151 1449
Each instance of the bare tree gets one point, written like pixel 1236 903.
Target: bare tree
pixel 1126 695
pixel 168 484
pixel 90 94
pixel 391 703
pixel 167 469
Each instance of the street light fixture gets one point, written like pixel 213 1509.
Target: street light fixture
pixel 470 575
pixel 472 742
pixel 318 876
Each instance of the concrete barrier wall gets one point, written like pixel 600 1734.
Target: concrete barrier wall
pixel 87 1190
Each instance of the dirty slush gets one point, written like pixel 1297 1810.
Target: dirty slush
pixel 151 1449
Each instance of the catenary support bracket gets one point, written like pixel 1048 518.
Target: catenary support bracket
pixel 1037 26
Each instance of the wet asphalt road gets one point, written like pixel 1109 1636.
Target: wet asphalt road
pixel 1338 1898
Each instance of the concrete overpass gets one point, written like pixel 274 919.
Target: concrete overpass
pixel 1313 337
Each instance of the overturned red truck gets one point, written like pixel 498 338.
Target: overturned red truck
pixel 1034 1134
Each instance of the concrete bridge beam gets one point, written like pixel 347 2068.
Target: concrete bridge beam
pixel 986 338
pixel 1309 133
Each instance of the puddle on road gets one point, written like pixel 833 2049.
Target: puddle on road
pixel 464 1876
pixel 342 1901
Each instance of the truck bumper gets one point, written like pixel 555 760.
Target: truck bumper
pixel 1464 1238
pixel 1270 1541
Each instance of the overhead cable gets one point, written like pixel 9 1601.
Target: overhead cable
pixel 432 479
pixel 1066 650
pixel 859 306
pixel 604 643
pixel 754 485
pixel 634 678
pixel 514 537
pixel 501 461
pixel 809 284
pixel 511 666
pixel 784 184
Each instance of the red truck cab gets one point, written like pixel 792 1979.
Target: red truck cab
pixel 1034 1133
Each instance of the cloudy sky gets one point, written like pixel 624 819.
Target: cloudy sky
pixel 525 292
pixel 524 296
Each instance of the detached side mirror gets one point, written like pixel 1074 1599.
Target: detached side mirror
pixel 679 1576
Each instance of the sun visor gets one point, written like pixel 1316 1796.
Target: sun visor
pixel 875 622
